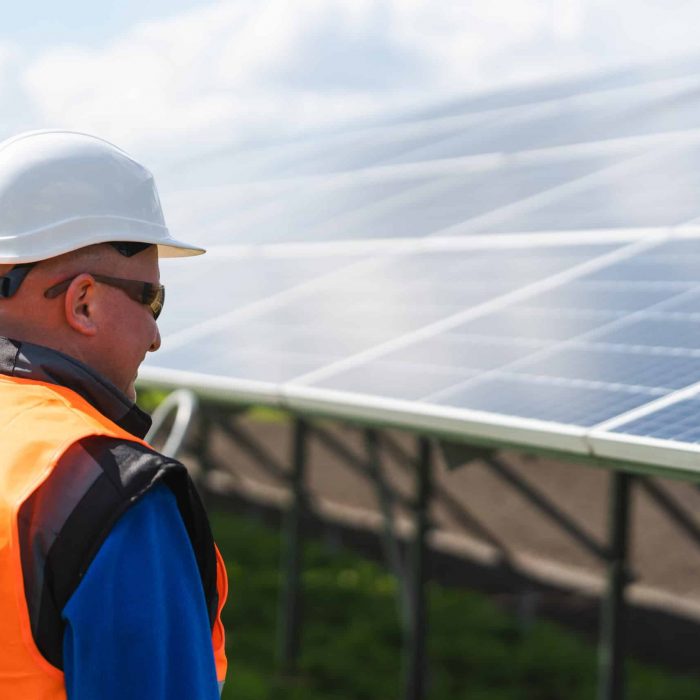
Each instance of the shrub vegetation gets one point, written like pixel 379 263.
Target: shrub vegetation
pixel 351 636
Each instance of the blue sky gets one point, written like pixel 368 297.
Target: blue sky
pixel 164 77
pixel 85 22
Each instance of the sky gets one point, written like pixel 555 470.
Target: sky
pixel 176 77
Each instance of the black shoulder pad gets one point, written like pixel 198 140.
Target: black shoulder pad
pixel 64 522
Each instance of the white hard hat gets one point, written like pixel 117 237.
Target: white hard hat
pixel 61 190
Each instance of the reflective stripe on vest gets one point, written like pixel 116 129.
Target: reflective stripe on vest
pixel 39 423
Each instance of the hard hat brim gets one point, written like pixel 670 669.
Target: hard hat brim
pixel 73 234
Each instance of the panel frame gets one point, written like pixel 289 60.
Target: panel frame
pixel 592 447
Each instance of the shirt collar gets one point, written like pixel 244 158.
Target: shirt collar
pixel 29 361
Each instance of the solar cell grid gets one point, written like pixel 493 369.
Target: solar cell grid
pixel 236 164
pixel 663 113
pixel 218 210
pixel 393 320
pixel 507 131
pixel 389 380
pixel 256 336
pixel 683 246
pixel 538 324
pixel 689 305
pixel 369 151
pixel 466 352
pixel 348 149
pixel 387 299
pixel 657 331
pixel 679 421
pixel 393 206
pixel 604 297
pixel 650 269
pixel 662 192
pixel 542 399
pixel 644 77
pixel 612 116
pixel 300 215
pixel 220 356
pixel 461 199
pixel 616 365
pixel 423 287
pixel 561 123
pixel 205 288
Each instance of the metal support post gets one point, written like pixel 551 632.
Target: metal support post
pixel 290 612
pixel 611 680
pixel 415 666
pixel 392 546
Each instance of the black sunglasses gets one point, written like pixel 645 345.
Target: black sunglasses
pixel 153 295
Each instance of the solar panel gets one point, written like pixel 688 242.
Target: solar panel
pixel 621 366
pixel 605 83
pixel 562 122
pixel 678 422
pixel 210 288
pixel 659 330
pixel 521 268
pixel 536 398
pixel 658 190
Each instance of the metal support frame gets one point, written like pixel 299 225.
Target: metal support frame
pixel 453 506
pixel 413 572
pixel 392 547
pixel 670 506
pixel 547 507
pixel 611 651
pixel 363 465
pixel 290 610
pixel 415 666
pixel 263 457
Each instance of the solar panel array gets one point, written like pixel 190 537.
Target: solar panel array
pixel 521 268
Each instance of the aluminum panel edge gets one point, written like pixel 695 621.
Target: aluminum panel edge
pixel 473 427
pixel 652 452
pixel 464 425
pixel 220 389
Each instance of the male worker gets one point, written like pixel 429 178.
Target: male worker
pixel 111 586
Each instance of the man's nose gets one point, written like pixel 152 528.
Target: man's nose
pixel 156 341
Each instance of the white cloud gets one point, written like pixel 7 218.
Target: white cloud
pixel 246 68
pixel 6 53
pixel 13 100
pixel 8 59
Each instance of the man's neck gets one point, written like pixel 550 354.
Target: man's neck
pixel 27 360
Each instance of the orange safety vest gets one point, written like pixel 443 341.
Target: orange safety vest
pixel 38 423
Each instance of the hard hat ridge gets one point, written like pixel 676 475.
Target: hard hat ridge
pixel 63 190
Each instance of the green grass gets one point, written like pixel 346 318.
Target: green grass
pixel 351 636
pixel 149 399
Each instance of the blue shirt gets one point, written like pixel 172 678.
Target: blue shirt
pixel 137 625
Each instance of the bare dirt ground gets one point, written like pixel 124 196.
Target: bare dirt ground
pixel 488 521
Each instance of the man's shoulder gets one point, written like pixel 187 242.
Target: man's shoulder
pixel 64 522
pixel 128 467
pixel 95 481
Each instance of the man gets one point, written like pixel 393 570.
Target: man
pixel 110 583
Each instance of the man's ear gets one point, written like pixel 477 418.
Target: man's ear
pixel 80 305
